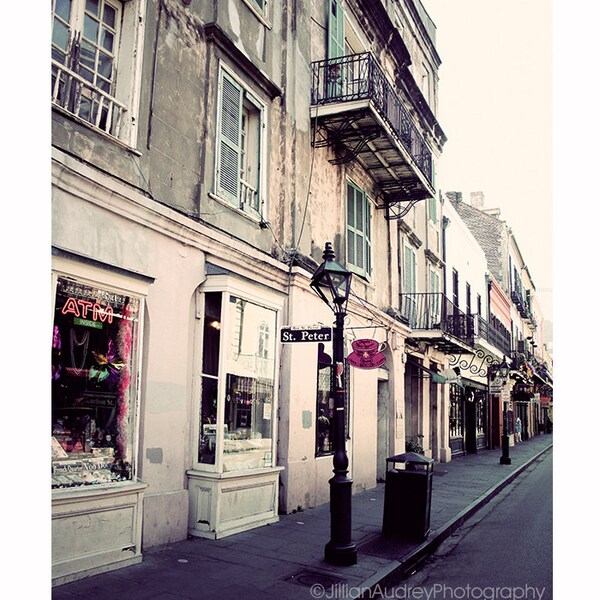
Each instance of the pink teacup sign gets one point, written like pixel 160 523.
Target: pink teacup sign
pixel 367 354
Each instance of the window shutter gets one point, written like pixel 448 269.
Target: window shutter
pixel 359 228
pixel 228 169
pixel 351 223
pixel 367 235
pixel 335 44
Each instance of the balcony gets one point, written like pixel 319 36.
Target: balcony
pixel 493 332
pixel 357 112
pixel 436 320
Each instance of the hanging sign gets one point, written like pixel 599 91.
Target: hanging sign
pixel 290 335
pixel 367 354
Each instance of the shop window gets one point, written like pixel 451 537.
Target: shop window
pixel 238 354
pixel 94 373
pixel 456 412
pixel 325 402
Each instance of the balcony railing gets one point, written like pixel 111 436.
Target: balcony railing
pixel 494 332
pixel 249 196
pixel 359 77
pixel 79 97
pixel 433 311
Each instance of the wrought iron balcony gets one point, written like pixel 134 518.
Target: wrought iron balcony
pixel 437 320
pixel 494 332
pixel 358 112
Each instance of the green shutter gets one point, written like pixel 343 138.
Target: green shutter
pixel 335 43
pixel 228 169
pixel 358 230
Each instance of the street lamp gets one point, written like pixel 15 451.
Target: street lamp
pixel 331 281
pixel 502 371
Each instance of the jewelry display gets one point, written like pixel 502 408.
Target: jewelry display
pixel 85 339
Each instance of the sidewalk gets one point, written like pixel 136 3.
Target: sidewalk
pixel 285 560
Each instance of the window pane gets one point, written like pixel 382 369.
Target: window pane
pixel 250 366
pixel 105 64
pixel 107 40
pixel 63 9
pixel 110 16
pixel 60 35
pixel 208 419
pixel 92 6
pixel 87 57
pixel 90 29
pixel 94 366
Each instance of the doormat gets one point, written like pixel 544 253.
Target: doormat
pixel 311 578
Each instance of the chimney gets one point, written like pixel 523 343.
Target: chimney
pixel 454 196
pixel 477 200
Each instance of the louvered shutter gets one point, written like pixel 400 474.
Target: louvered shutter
pixel 228 169
pixel 335 40
pixel 350 221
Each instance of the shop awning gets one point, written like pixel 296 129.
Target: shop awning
pixel 439 378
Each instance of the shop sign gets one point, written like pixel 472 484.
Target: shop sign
pixel 505 395
pixel 290 335
pixel 367 354
pixel 84 309
pixel 496 386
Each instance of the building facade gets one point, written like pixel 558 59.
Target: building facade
pixel 202 155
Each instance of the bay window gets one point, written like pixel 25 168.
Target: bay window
pixel 237 383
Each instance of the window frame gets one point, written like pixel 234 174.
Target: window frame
pixel 229 287
pixel 127 68
pixel 352 231
pixel 97 278
pixel 256 210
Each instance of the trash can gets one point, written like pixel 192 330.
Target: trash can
pixel 407 500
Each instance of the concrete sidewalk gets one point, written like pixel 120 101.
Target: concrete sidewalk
pixel 285 560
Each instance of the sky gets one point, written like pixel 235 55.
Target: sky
pixel 495 107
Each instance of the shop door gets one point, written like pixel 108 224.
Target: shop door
pixel 457 421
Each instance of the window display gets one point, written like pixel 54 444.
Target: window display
pixel 94 346
pixel 248 346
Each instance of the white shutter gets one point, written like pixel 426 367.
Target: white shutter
pixel 335 40
pixel 228 167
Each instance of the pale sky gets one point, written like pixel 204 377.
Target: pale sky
pixel 495 106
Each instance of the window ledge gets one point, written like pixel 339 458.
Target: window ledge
pixel 257 220
pixel 259 15
pixel 97 130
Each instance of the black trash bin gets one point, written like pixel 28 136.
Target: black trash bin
pixel 407 501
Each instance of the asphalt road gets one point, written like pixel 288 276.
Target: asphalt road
pixel 503 552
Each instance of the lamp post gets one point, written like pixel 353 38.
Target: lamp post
pixel 331 281
pixel 503 371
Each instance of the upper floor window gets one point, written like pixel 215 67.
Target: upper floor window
pixel 433 209
pixel 358 230
pixel 89 37
pixel 239 146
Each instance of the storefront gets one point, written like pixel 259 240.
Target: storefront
pixel 96 498
pixel 233 485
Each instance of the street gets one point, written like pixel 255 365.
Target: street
pixel 505 551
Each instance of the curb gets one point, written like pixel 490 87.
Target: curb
pixel 399 569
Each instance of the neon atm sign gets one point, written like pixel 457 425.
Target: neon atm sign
pixel 87 310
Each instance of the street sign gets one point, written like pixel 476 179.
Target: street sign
pixel 291 335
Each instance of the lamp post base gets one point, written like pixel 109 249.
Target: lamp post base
pixel 340 550
pixel 341 555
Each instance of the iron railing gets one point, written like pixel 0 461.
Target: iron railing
pixel 434 311
pixel 494 332
pixel 359 77
pixel 76 95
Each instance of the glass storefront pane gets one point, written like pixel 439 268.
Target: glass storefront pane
pixel 250 377
pixel 94 366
